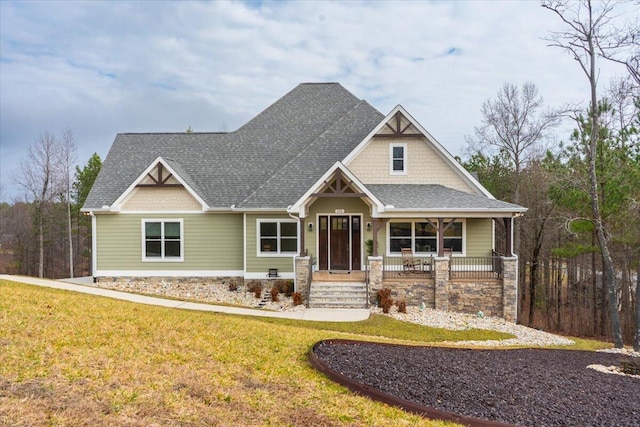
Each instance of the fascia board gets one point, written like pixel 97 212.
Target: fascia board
pixel 295 208
pixel 128 192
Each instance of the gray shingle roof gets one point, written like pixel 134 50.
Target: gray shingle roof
pixel 225 169
pixel 435 197
pixel 273 159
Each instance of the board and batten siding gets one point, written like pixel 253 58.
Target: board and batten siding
pixel 211 242
pixel 262 264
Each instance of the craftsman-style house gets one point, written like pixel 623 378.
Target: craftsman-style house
pixel 320 187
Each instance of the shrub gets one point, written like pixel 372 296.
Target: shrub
pixel 255 286
pixel 284 286
pixel 402 306
pixel 384 299
pixel 233 286
pixel 289 290
pixel 297 298
pixel 274 294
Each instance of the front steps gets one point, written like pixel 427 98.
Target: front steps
pixel 338 295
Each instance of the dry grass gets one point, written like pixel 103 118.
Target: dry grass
pixel 74 359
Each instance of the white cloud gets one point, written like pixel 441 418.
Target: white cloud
pixel 107 67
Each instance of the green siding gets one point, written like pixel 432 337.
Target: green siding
pixel 211 242
pixel 262 264
pixel 479 237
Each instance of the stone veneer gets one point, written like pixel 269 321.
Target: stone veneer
pixel 302 276
pixel 494 297
pixel 173 280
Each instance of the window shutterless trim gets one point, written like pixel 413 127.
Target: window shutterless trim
pixel 413 222
pixel 402 145
pixel 162 257
pixel 278 238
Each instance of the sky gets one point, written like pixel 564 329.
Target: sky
pixel 102 68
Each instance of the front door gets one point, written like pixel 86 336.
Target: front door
pixel 339 242
pixel 339 238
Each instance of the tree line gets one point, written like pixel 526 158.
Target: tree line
pixel 43 233
pixel 579 243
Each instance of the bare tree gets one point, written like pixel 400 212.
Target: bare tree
pixel 587 35
pixel 514 124
pixel 38 177
pixel 68 158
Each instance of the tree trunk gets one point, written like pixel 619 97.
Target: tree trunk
pixel 636 341
pixel 70 234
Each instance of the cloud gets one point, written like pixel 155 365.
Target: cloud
pixel 106 67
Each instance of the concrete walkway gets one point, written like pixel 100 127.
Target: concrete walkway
pixel 83 285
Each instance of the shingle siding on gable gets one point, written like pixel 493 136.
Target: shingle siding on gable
pixel 424 166
pixel 161 199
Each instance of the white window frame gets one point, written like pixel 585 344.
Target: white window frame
pixel 404 158
pixel 413 237
pixel 162 257
pixel 277 252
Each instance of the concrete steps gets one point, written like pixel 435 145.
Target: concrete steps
pixel 338 295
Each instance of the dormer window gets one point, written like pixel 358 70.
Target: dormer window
pixel 398 159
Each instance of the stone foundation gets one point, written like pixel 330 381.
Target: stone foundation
pixel 173 280
pixel 413 292
pixel 471 296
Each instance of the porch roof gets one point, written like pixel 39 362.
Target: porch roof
pixel 435 197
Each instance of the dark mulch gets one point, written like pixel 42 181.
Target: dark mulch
pixel 529 387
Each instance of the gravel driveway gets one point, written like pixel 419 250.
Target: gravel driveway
pixel 528 387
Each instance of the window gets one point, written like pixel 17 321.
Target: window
pixel 162 240
pixel 398 157
pixel 277 237
pixel 422 237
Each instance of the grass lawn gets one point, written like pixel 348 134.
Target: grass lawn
pixel 75 359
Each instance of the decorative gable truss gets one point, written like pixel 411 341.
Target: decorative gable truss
pixel 398 126
pixel 158 184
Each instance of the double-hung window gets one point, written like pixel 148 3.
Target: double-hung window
pixel 162 240
pixel 398 159
pixel 422 237
pixel 277 237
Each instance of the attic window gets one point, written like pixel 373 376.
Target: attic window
pixel 398 159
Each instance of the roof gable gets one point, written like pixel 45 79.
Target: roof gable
pixel 158 174
pixel 399 124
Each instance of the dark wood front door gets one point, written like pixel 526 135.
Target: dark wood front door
pixel 339 239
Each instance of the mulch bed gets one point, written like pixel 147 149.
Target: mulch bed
pixel 527 387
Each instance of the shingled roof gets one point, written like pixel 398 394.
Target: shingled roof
pixel 267 163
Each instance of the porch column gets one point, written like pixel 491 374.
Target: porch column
pixel 440 237
pixel 508 226
pixel 375 236
pixel 510 288
pixel 301 233
pixel 441 270
pixel 375 277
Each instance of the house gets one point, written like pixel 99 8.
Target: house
pixel 320 187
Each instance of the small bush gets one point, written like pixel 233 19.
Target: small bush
pixel 297 298
pixel 402 306
pixel 255 286
pixel 233 286
pixel 274 294
pixel 284 286
pixel 384 299
pixel 289 290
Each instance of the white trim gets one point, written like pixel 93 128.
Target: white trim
pixel 444 154
pixel 94 244
pixel 162 257
pixel 124 197
pixel 160 212
pixel 282 275
pixel 300 208
pixel 413 221
pixel 168 273
pixel 405 149
pixel 277 253
pixel 244 241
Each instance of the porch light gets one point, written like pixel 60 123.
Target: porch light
pixel 310 226
pixel 368 226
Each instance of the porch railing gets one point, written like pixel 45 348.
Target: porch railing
pixel 397 268
pixel 475 268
